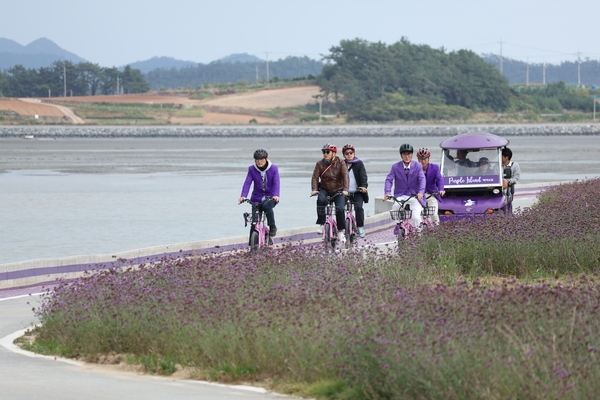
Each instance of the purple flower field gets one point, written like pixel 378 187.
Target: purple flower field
pixel 501 308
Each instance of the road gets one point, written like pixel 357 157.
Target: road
pixel 65 110
pixel 25 376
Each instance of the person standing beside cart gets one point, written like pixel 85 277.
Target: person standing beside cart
pixel 508 183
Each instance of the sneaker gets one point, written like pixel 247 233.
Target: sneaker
pixel 341 237
pixel 361 232
pixel 272 231
pixel 320 230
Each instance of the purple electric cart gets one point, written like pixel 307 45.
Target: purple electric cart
pixel 472 170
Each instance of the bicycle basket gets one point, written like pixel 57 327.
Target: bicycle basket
pixel 428 211
pixel 401 215
pixel 326 209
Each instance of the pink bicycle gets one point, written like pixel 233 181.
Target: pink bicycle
pixel 330 227
pixel 403 215
pixel 259 230
pixel 351 227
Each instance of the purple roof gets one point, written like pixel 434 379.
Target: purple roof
pixel 474 140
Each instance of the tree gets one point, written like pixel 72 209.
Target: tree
pixel 361 76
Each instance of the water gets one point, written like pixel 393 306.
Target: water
pixel 69 197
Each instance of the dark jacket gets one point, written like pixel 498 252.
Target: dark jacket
pixel 334 179
pixel 360 174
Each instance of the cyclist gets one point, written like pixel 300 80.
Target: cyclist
pixel 263 175
pixel 408 179
pixel 329 177
pixel 433 181
pixel 508 185
pixel 358 185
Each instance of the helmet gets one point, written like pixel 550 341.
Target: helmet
pixel 330 147
pixel 260 154
pixel 348 147
pixel 406 148
pixel 423 153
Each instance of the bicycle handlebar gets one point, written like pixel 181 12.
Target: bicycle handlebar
pixel 247 200
pixel 401 202
pixel 328 198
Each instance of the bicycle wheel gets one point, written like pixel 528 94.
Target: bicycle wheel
pixel 401 235
pixel 268 239
pixel 253 241
pixel 327 235
pixel 349 233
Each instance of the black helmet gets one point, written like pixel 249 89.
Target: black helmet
pixel 406 148
pixel 260 154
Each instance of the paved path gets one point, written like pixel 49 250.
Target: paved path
pixel 24 376
pixel 65 110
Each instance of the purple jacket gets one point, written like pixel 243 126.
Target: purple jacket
pixel 266 183
pixel 405 184
pixel 434 182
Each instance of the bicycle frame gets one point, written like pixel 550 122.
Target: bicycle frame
pixel 259 230
pixel 403 227
pixel 428 212
pixel 351 227
pixel 330 227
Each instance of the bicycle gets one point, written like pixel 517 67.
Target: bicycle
pixel 259 230
pixel 427 212
pixel 403 215
pixel 351 227
pixel 330 227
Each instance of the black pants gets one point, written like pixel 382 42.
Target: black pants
pixel 340 201
pixel 267 207
pixel 359 211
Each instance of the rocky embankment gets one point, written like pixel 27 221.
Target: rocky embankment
pixel 291 131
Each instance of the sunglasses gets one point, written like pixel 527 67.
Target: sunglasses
pixel 326 151
pixel 348 152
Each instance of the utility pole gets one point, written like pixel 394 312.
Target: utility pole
pixel 267 68
pixel 65 80
pixel 527 73
pixel 544 73
pixel 501 56
pixel 578 70
pixel 256 75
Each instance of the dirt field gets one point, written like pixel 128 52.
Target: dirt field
pixel 234 109
pixel 267 99
pixel 29 109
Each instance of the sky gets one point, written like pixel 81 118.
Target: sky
pixel 120 32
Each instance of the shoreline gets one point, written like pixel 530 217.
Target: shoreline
pixel 47 131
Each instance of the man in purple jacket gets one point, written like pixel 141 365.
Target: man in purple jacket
pixel 264 176
pixel 434 182
pixel 407 178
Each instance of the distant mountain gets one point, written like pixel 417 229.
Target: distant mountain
pixel 241 57
pixel 39 53
pixel 160 62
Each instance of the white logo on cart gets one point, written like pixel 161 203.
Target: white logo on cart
pixel 469 203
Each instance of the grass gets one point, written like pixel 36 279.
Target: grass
pixel 499 308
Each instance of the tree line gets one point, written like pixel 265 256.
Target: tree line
pixel 571 72
pixel 82 79
pixel 376 81
pixel 403 81
pixel 228 72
